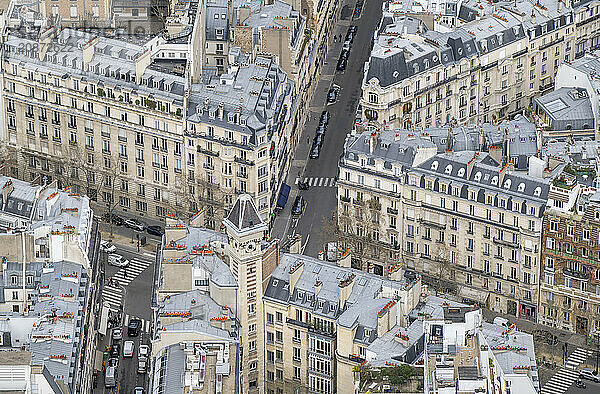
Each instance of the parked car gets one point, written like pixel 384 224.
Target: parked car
pixel 332 96
pixel 138 390
pixel 116 219
pixel 350 36
pixel 321 129
pixel 315 151
pixel 344 54
pixel 324 117
pixel 346 46
pixel 117 334
pixel 353 29
pixel 110 377
pixel 298 206
pixel 303 185
pixel 155 230
pixel 113 362
pixel 117 260
pixel 115 350
pixel 135 224
pixel 590 374
pixel 128 347
pixel 318 140
pixel 142 363
pixel 134 327
pixel 143 351
pixel 341 66
pixel 107 247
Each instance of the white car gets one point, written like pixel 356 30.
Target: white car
pixel 117 260
pixel 135 224
pixel 143 351
pixel 117 334
pixel 128 349
pixel 107 247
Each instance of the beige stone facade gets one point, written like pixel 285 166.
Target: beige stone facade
pixel 96 13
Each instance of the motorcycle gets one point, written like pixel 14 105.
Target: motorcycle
pixel 580 384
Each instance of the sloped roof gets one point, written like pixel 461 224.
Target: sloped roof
pixel 244 214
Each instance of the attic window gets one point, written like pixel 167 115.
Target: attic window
pixel 448 169
pixel 461 172
pixel 434 165
pixel 507 184
pixel 537 192
pixel 495 180
pixel 521 187
pixel 321 304
pixel 478 176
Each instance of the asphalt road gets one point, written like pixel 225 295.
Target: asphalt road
pixel 321 200
pixel 591 388
pixel 136 304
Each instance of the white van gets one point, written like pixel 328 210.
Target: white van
pixel 128 349
pixel 110 377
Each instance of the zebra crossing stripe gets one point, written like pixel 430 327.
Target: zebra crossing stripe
pixel 564 378
pixel 317 181
pixel 145 326
pixel 297 180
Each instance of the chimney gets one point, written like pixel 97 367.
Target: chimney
pixel 533 16
pixel 295 272
pixel 386 318
pixel 142 61
pixel 372 142
pixel 7 189
pixel 88 52
pixel 560 5
pixel 396 272
pixel 318 287
pixel 206 104
pixel 471 164
pixel 344 259
pixel 44 40
pixel 501 175
pixel 243 14
pixel 345 289
pixel 221 111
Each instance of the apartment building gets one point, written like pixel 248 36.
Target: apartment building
pixel 49 246
pixel 89 112
pixel 570 279
pixel 488 69
pixel 464 354
pixel 328 319
pixel 95 13
pixel 572 108
pixel 466 219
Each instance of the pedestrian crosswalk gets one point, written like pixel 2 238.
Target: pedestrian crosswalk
pixel 317 182
pixel 146 324
pixel 566 375
pixel 127 274
pixel 113 295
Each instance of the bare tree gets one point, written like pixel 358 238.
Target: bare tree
pixel 195 194
pixel 9 158
pixel 359 229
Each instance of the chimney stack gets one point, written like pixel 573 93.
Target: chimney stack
pixel 7 189
pixel 318 287
pixel 295 272
pixel 345 289
pixel 142 61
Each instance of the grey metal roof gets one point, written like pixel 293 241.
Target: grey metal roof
pixel 569 108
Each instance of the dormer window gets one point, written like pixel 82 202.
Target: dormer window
pixel 495 180
pixel 478 176
pixel 538 191
pixel 448 169
pixel 521 187
pixel 507 184
pixel 434 165
pixel 461 172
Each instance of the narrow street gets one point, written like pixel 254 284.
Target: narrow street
pixel 321 173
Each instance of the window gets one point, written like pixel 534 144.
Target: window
pixel 373 98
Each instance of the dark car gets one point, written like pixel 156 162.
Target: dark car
pixel 303 185
pixel 353 29
pixel 332 95
pixel 134 327
pixel 349 36
pixel 115 350
pixel 344 54
pixel 155 230
pixel 324 117
pixel 315 151
pixel 116 219
pixel 341 66
pixel 321 129
pixel 298 206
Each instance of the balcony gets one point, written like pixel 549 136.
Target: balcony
pixel 208 166
pixel 501 241
pixel 575 274
pixel 345 199
pixel 243 161
pixel 242 175
pixel 358 201
pixel 430 223
pixel 56 121
pixel 392 211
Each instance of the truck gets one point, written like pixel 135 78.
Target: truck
pixel 110 377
